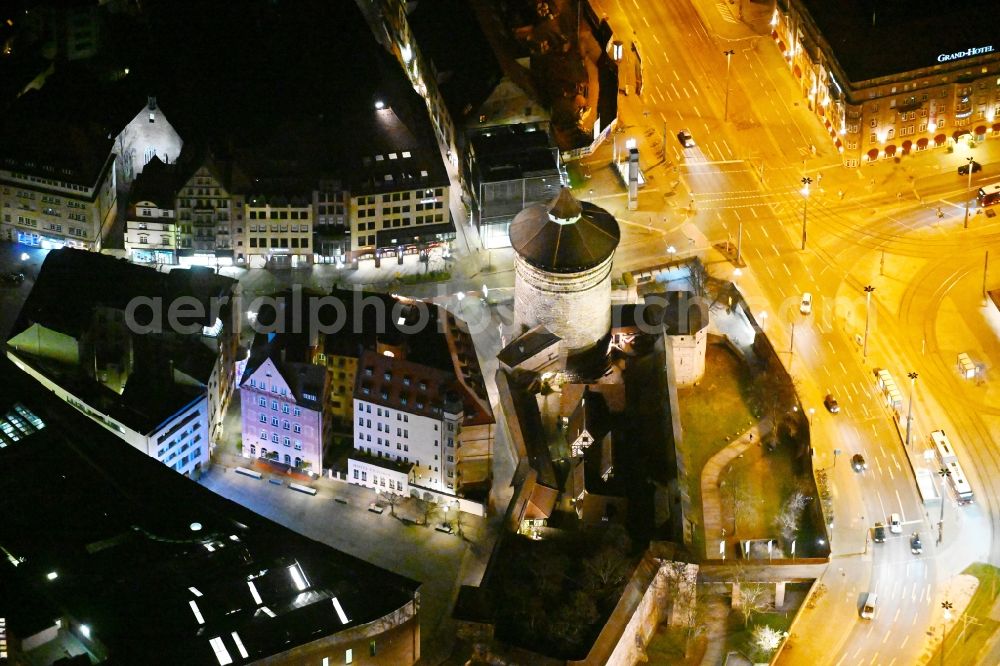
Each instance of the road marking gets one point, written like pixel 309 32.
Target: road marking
pixel 830 345
pixel 785 266
pixel 663 98
pixel 880 502
pixel 888 632
pixel 676 93
pixel 728 149
pixel 775 248
pixel 897 462
pixel 658 77
pixel 684 88
pixel 646 21
pixel 891 475
pixel 696 111
pixel 842 368
pixel 879 465
pixel 753 211
pixel 736 212
pixel 906 638
pixel 656 38
pixel 901 512
pixel 769 272
pixel 898 611
pixel 675 73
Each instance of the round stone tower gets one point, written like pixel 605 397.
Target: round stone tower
pixel 562 261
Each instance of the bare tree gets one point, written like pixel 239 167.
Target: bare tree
pixel 773 393
pixel 392 499
pixel 753 599
pixel 429 511
pixel 787 521
pixel 767 639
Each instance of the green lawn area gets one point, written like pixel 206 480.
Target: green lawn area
pixel 711 414
pixel 963 648
pixel 667 647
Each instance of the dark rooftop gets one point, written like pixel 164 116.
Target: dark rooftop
pixel 157 183
pixel 117 530
pixel 565 235
pixel 527 345
pixel 927 28
pixel 509 152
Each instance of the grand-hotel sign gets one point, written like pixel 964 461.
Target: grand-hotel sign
pixel 945 57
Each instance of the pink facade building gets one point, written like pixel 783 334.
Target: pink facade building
pixel 282 408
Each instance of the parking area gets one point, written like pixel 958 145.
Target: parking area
pixel 338 516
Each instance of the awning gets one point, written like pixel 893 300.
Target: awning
pixel 890 150
pixel 416 234
pixel 797 71
pixel 781 46
pixel 822 112
pixel 827 121
pixel 939 139
pixel 922 142
pixel 838 143
pixel 873 154
pixel 774 34
pixel 981 130
pixel 996 127
pixel 906 146
pixel 958 133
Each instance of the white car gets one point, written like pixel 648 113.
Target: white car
pixel 895 524
pixel 684 136
pixel 806 306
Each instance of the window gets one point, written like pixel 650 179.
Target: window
pixel 263 434
pixel 298 412
pixel 284 425
pixel 284 409
pixel 287 441
pixel 274 421
pixel 262 402
pixel 274 438
pixel 298 428
pixel 274 405
pixel 349 655
pixel 263 418
pixel 298 445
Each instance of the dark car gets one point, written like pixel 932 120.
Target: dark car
pixel 916 547
pixel 879 533
pixel 831 404
pixel 12 278
pixel 858 463
pixel 684 136
pixel 964 169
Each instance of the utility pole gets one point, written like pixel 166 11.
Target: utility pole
pixel 868 310
pixel 791 347
pixel 806 181
pixel 986 267
pixel 739 251
pixel 729 56
pixel 881 264
pixel 970 162
pixel 947 606
pixel 909 409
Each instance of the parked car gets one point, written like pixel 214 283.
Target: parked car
pixel 684 136
pixel 444 527
pixel 879 533
pixel 831 404
pixel 859 463
pixel 12 278
pixel 868 610
pixel 376 508
pixel 916 547
pixel 806 306
pixel 964 169
pixel 895 524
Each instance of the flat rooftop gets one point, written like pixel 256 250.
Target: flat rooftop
pixel 905 35
pixel 153 564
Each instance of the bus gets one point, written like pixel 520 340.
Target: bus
pixel 989 195
pixel 946 454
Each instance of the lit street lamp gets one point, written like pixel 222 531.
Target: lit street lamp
pixel 806 182
pixel 729 57
pixel 909 409
pixel 944 473
pixel 970 162
pixel 868 310
pixel 812 411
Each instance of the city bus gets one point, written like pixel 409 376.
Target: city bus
pixel 989 195
pixel 946 454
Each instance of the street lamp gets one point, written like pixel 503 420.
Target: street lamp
pixel 729 57
pixel 868 310
pixel 944 473
pixel 812 411
pixel 947 606
pixel 806 182
pixel 671 251
pixel 909 409
pixel 970 161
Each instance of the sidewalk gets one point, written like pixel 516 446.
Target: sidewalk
pixel 711 500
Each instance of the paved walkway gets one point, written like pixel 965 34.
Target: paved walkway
pixel 711 498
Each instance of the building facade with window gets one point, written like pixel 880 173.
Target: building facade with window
pixel 209 210
pixel 57 179
pixel 389 224
pixel 881 102
pixel 278 231
pixel 282 407
pixel 150 226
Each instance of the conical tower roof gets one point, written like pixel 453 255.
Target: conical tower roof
pixel 565 235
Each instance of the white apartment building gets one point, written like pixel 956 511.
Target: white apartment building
pixel 398 222
pixel 150 229
pixel 407 422
pixel 48 206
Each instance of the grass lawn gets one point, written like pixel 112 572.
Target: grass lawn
pixel 963 648
pixel 667 647
pixel 711 414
